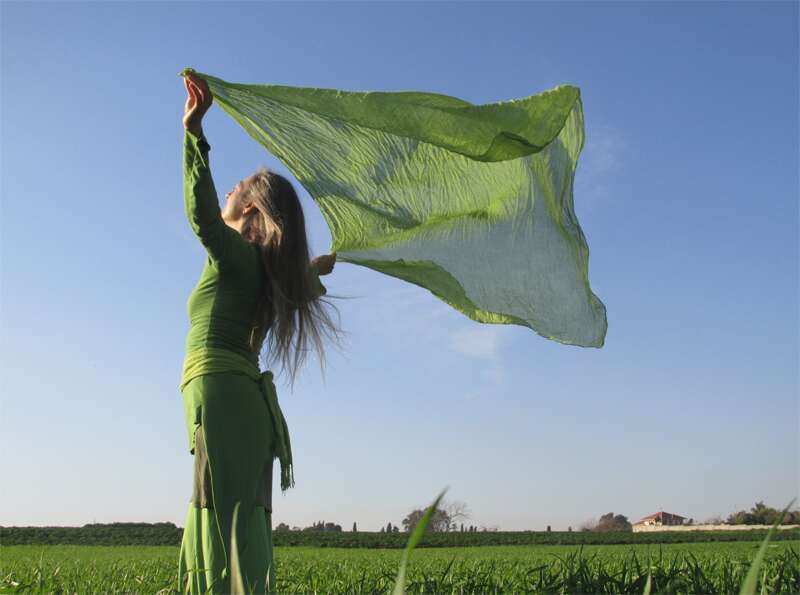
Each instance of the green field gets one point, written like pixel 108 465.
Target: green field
pixel 675 568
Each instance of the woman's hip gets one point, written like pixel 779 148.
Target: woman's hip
pixel 229 405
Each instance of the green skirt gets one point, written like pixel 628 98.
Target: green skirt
pixel 234 447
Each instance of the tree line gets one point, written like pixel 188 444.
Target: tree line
pixel 444 521
pixel 95 534
pixel 761 514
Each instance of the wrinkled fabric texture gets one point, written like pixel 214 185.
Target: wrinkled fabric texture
pixel 472 202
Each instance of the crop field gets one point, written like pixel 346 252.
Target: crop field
pixel 673 568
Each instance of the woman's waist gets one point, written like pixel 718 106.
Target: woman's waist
pixel 209 359
pixel 236 338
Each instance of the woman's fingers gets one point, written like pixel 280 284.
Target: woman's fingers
pixel 201 89
pixel 191 99
pixel 191 103
pixel 203 96
pixel 202 85
pixel 196 89
pixel 325 263
pixel 191 80
pixel 192 89
pixel 199 98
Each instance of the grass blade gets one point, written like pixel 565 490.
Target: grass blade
pixel 751 581
pixel 648 585
pixel 416 535
pixel 237 584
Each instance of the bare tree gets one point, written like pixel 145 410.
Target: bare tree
pixel 456 511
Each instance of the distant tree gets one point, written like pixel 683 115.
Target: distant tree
pixel 439 521
pixel 761 514
pixel 456 511
pixel 383 529
pixel 548 528
pixel 395 529
pixel 355 529
pixel 323 526
pixel 612 522
pixel 412 519
pixel 569 529
pixel 462 527
pixel 282 527
pixel 389 527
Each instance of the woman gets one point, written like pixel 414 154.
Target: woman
pixel 257 281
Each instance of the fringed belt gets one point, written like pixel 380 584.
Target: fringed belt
pixel 209 360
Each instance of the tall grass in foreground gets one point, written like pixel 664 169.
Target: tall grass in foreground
pixel 701 568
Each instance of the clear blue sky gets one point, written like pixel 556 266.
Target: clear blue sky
pixel 687 191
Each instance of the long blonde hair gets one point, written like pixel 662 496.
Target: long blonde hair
pixel 290 307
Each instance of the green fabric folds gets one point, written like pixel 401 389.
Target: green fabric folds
pixel 472 202
pixel 210 360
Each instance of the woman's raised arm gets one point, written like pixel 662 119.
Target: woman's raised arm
pixel 200 196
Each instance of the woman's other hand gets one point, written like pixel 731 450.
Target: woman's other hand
pixel 198 101
pixel 324 264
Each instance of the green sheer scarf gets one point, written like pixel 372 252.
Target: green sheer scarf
pixel 472 202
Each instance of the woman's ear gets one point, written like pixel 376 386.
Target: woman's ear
pixel 249 208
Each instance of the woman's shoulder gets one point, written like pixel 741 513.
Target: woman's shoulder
pixel 243 258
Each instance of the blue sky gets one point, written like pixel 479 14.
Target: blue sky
pixel 686 190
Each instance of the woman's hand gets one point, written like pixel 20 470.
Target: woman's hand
pixel 324 264
pixel 197 103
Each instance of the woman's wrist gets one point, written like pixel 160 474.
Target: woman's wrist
pixel 196 130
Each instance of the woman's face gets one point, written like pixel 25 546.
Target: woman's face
pixel 236 204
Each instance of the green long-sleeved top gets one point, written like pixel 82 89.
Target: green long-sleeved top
pixel 223 304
